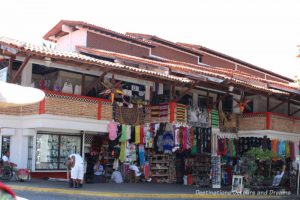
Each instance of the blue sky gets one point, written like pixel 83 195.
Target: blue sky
pixel 263 32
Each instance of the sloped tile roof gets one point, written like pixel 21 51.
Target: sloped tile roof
pixel 39 50
pixel 238 77
pixel 56 30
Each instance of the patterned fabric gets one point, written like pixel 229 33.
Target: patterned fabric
pixel 199 117
pixel 180 113
pixel 137 134
pixel 168 141
pixel 160 113
pixel 142 154
pixel 131 116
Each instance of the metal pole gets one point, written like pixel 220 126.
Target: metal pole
pixel 298 178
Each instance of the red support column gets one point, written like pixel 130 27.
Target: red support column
pixel 99 109
pixel 42 106
pixel 268 120
pixel 172 112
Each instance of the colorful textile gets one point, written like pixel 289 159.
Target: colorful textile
pixel 282 148
pixel 292 150
pixel 112 129
pixel 142 135
pixel 128 132
pixel 123 136
pixel 191 138
pixel 137 134
pixel 274 147
pixel 184 138
pixel 142 154
pixel 287 149
pixel 168 141
pixel 123 152
pixel 194 148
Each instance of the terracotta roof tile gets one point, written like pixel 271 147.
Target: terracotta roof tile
pixel 57 29
pixel 240 78
pixel 40 50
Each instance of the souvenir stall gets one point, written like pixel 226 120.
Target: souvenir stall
pixel 226 148
pixel 285 148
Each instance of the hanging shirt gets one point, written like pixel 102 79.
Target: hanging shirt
pixel 142 135
pixel 112 129
pixel 287 149
pixel 123 136
pixel 128 132
pixel 274 147
pixel 142 154
pixel 137 134
pixel 292 150
pixel 168 142
pixel 123 152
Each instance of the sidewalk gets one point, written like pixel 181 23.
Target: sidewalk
pixel 127 190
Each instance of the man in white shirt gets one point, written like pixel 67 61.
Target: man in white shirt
pixel 137 172
pixel 5 157
pixel 77 170
pixel 278 177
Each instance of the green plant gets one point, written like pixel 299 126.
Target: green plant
pixel 260 154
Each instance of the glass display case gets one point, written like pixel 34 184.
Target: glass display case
pixel 52 150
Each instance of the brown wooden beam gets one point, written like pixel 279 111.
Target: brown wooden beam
pixel 216 103
pixel 281 103
pixel 10 65
pixel 296 111
pixel 94 83
pixel 82 84
pixel 185 92
pixel 21 68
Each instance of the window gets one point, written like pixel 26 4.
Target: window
pixel 227 104
pixel 52 150
pixel 5 144
pixel 203 102
pixel 200 59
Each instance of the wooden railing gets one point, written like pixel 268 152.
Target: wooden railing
pixel 269 121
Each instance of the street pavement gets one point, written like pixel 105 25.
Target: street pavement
pixel 56 190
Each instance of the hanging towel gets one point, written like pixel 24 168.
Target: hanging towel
pixel 142 154
pixel 112 129
pixel 142 135
pixel 274 147
pixel 287 149
pixel 137 134
pixel 128 132
pixel 123 136
pixel 292 150
pixel 123 152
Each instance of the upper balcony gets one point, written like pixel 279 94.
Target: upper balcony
pixel 70 105
pixel 269 121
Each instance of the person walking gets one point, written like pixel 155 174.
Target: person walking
pixel 77 170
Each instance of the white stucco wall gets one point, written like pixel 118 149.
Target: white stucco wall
pixel 69 41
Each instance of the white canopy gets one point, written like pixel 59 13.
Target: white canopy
pixel 16 95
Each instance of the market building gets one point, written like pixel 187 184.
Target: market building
pixel 176 108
